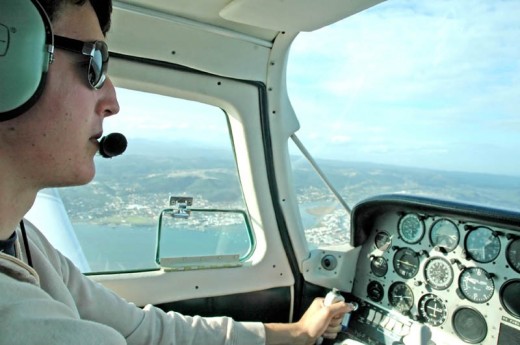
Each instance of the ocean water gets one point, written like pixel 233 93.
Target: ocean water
pixel 125 248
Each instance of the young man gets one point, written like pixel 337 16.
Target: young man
pixel 44 299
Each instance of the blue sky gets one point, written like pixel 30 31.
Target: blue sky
pixel 426 84
pixel 429 84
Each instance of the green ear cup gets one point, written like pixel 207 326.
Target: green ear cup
pixel 25 44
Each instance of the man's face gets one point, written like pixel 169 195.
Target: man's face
pixel 53 144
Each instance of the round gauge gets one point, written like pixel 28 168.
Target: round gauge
pixel 513 254
pixel 469 325
pixel 438 273
pixel 476 284
pixel 411 228
pixel 379 266
pixel 382 240
pixel 482 245
pixel 406 263
pixel 375 291
pixel 445 234
pixel 432 309
pixel 401 297
pixel 509 297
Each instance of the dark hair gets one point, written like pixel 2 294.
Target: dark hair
pixel 103 10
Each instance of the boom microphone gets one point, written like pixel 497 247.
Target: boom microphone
pixel 112 145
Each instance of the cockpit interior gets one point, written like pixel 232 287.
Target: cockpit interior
pixel 375 156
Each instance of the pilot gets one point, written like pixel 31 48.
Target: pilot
pixel 52 107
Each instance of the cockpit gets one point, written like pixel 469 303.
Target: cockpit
pixel 281 149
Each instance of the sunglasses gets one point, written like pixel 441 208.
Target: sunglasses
pixel 98 57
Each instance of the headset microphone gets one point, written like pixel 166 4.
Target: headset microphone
pixel 112 145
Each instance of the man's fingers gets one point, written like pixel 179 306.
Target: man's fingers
pixel 340 308
pixel 336 321
pixel 333 329
pixel 336 317
pixel 330 335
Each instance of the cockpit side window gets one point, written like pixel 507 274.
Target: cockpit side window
pixel 176 148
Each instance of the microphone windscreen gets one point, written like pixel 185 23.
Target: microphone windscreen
pixel 112 145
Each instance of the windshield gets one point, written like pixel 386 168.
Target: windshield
pixel 414 97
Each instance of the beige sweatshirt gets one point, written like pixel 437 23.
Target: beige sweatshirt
pixel 54 303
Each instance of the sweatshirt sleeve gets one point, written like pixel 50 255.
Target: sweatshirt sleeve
pixel 181 329
pixel 149 325
pixel 31 317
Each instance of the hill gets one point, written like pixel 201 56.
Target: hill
pixel 141 180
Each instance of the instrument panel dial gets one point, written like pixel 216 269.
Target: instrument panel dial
pixel 406 263
pixel 401 297
pixel 379 266
pixel 411 228
pixel 445 234
pixel 382 240
pixel 438 273
pixel 509 297
pixel 469 325
pixel 476 284
pixel 513 254
pixel 432 309
pixel 482 245
pixel 375 291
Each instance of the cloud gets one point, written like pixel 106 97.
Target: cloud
pixel 434 78
pixel 340 139
pixel 507 124
pixel 403 81
pixel 163 118
pixel 399 49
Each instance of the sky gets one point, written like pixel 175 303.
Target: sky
pixel 421 83
pixel 432 84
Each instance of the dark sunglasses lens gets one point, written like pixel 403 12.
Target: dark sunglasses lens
pixel 98 66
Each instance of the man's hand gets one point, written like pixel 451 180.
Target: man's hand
pixel 317 321
pixel 321 321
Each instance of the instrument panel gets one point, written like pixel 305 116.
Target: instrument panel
pixel 433 272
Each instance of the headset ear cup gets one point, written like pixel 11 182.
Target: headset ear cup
pixel 25 55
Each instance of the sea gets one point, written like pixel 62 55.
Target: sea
pixel 115 248
pixel 127 248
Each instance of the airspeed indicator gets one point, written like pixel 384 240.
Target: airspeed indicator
pixel 476 284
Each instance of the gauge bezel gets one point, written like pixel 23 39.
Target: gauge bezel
pixel 489 283
pixel 391 292
pixel 459 332
pixel 505 304
pixel 421 230
pixel 377 270
pixel 377 285
pixel 454 230
pixel 424 313
pixel 386 244
pixel 402 270
pixel 513 265
pixel 451 276
pixel 481 258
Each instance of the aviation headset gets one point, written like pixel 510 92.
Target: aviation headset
pixel 26 51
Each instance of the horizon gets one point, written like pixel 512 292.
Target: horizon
pixel 443 95
pixel 294 156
